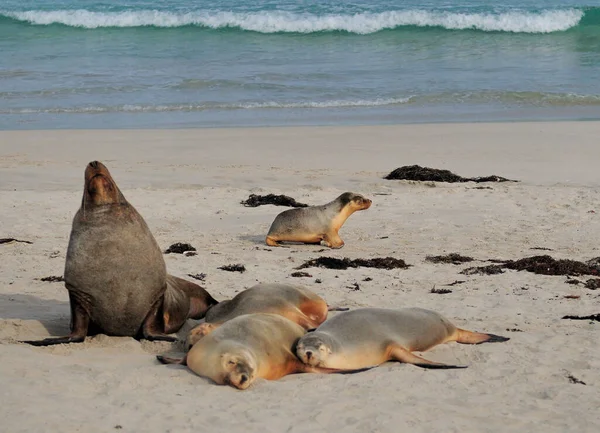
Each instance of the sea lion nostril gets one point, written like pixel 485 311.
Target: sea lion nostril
pixel 94 164
pixel 308 354
pixel 243 379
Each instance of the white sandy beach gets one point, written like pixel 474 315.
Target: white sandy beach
pixel 188 185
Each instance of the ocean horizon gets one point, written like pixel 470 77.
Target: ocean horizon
pixel 226 63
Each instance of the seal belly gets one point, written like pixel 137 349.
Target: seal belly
pixel 117 268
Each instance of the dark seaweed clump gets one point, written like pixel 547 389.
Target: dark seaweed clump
pixel 345 263
pixel 573 379
pixel 426 174
pixel 179 248
pixel 483 270
pixel 234 268
pixel 440 291
pixel 278 200
pixel 53 279
pixel 593 284
pixel 595 317
pixel 199 277
pixel 546 265
pixel 454 258
pixel 300 274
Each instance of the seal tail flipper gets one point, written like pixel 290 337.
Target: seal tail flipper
pixel 468 337
pixel 330 308
pixel 398 353
pixel 80 321
pixel 168 360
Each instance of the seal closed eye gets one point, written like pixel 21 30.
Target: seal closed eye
pixel 314 224
pixel 115 272
pixel 371 336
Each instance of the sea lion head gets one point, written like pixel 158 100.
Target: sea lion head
pixel 314 348
pixel 354 201
pixel 238 367
pixel 100 188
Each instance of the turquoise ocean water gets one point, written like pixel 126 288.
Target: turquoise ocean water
pixel 192 63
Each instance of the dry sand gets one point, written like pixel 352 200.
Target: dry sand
pixel 188 185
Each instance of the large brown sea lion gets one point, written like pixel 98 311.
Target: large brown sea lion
pixel 314 224
pixel 115 272
pixel 367 337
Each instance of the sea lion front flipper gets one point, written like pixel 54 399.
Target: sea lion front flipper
pixel 200 332
pixel 333 240
pixel 272 242
pixel 80 321
pixel 305 368
pixel 168 360
pixel 398 353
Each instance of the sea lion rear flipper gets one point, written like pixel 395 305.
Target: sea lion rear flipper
pixel 182 300
pixel 398 353
pixel 468 337
pixel 169 360
pixel 80 321
pixel 152 328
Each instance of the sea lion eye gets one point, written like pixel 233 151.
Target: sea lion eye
pixel 230 362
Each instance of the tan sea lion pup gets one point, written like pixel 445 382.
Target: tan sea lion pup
pixel 371 336
pixel 293 302
pixel 314 224
pixel 245 348
pixel 115 272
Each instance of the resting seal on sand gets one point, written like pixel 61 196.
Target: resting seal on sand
pixel 371 336
pixel 247 347
pixel 314 224
pixel 115 272
pixel 295 303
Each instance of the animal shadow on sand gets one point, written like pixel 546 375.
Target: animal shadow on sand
pixel 52 314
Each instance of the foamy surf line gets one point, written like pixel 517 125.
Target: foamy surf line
pixel 203 107
pixel 287 22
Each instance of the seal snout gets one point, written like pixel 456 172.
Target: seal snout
pixel 94 164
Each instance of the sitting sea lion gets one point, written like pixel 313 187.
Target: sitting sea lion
pixel 295 303
pixel 247 347
pixel 368 337
pixel 115 272
pixel 314 224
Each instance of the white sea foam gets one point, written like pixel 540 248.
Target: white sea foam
pixel 208 106
pixel 281 21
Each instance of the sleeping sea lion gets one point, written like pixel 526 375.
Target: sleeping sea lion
pixel 314 224
pixel 245 348
pixel 371 336
pixel 115 272
pixel 293 302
